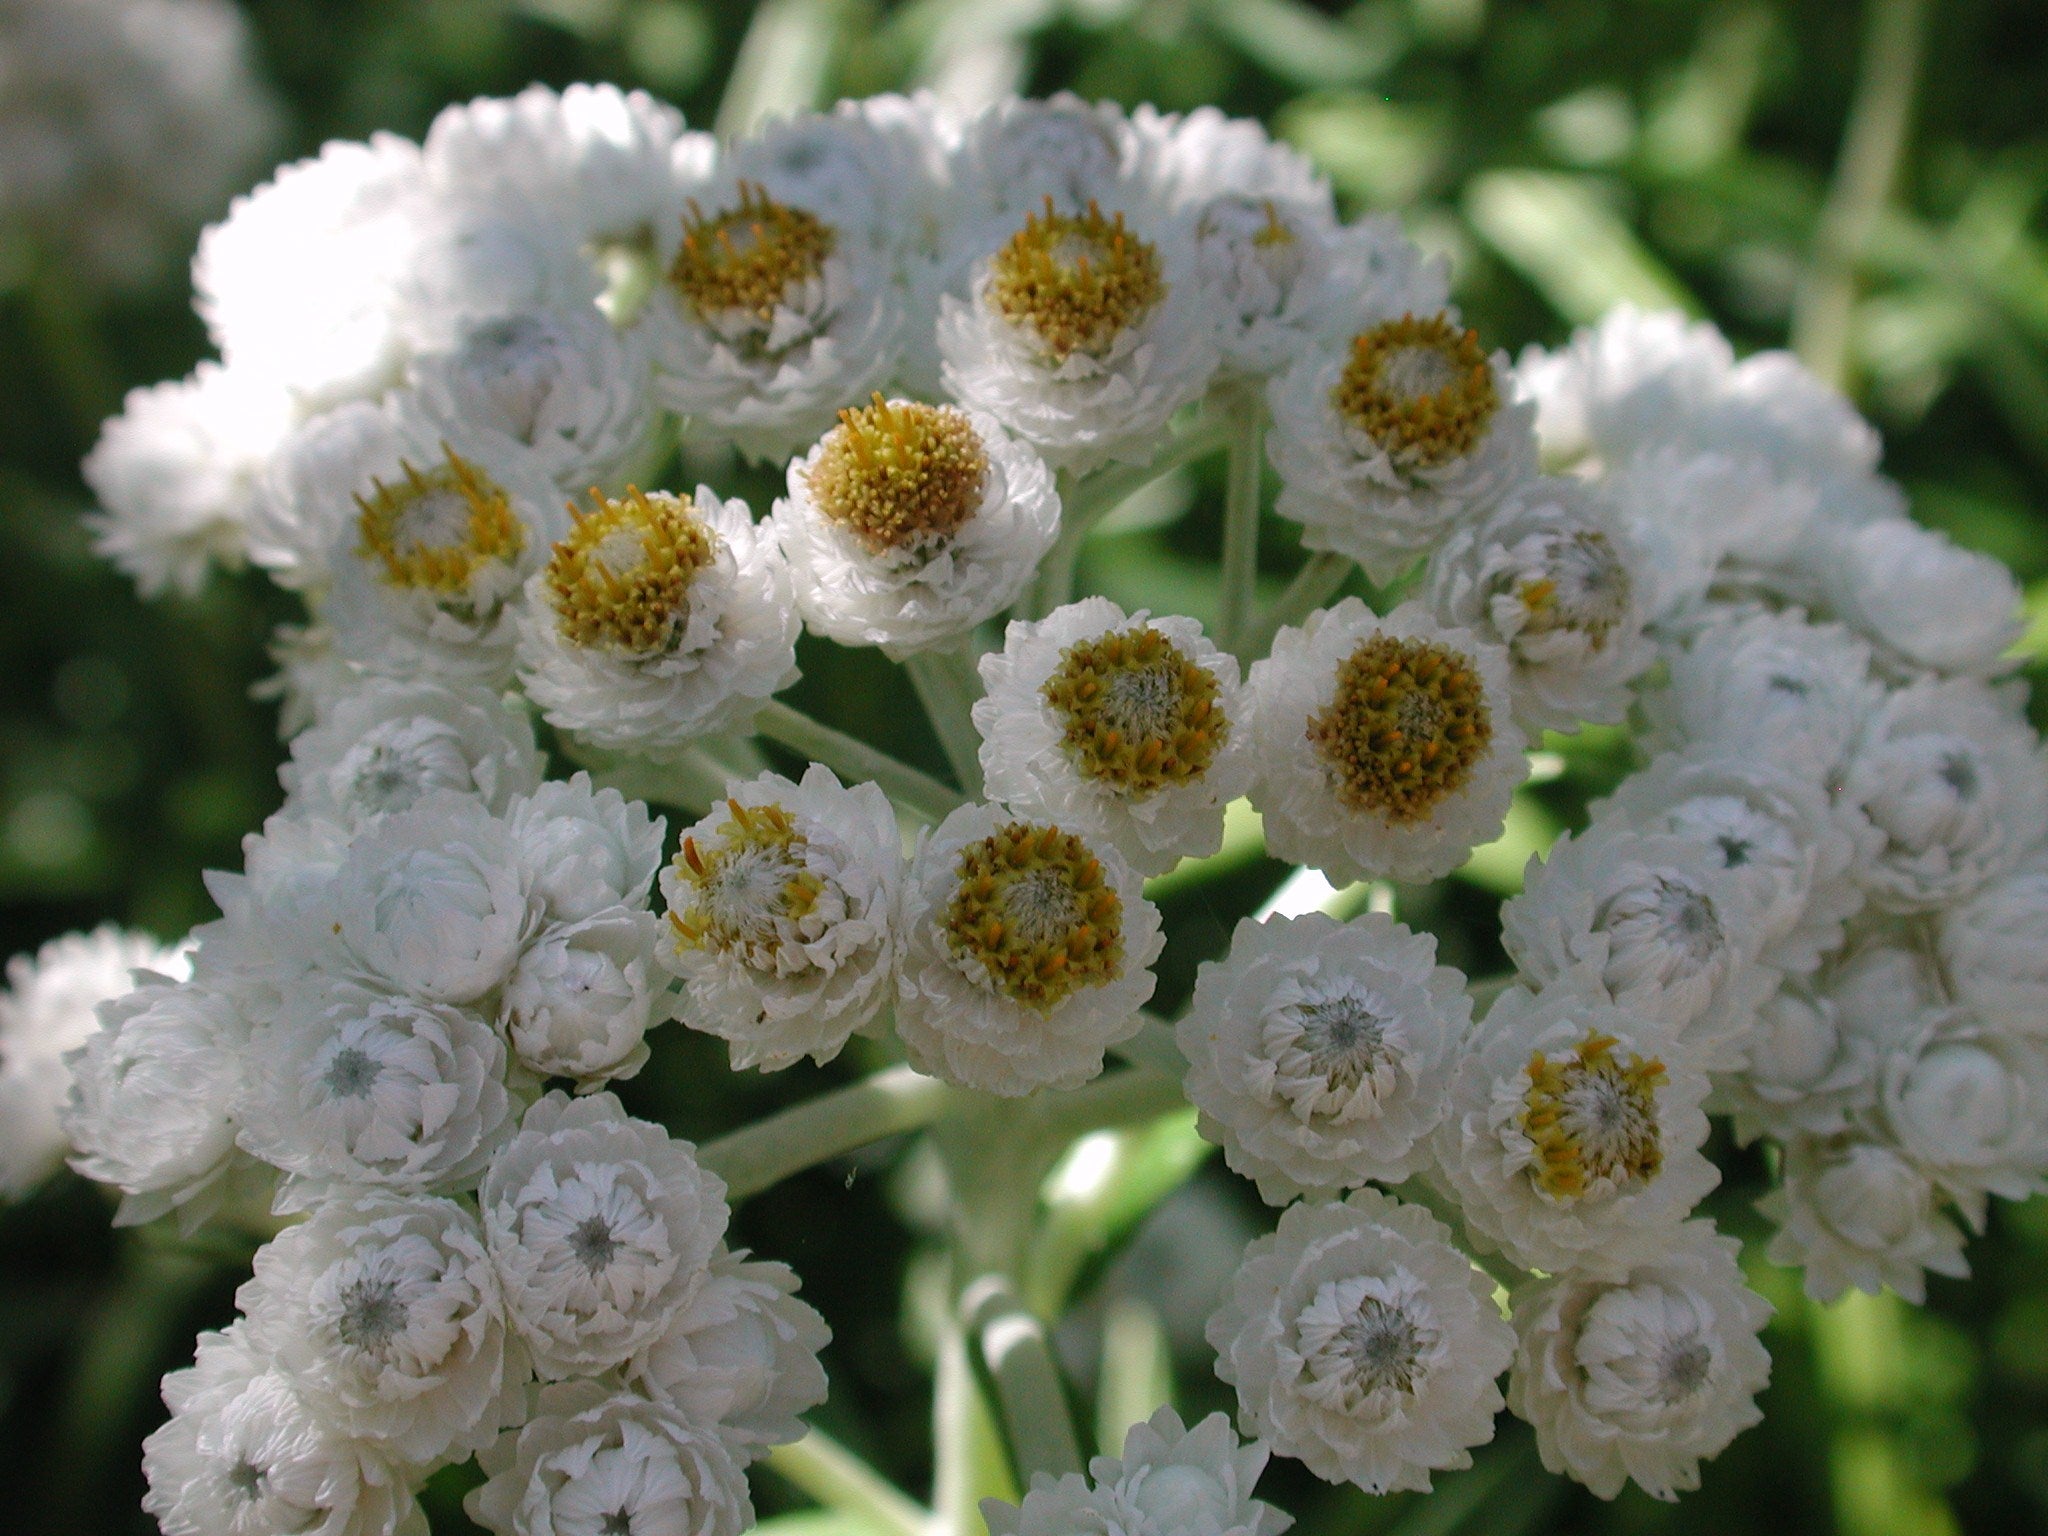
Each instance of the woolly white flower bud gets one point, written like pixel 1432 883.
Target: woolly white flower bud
pixel 1991 946
pixel 1969 1105
pixel 1644 1375
pixel 1807 1071
pixel 584 849
pixel 1854 1213
pixel 1927 602
pixel 1320 1052
pixel 1363 1344
pixel 583 996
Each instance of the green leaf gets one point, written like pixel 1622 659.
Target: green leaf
pixel 1305 48
pixel 1567 239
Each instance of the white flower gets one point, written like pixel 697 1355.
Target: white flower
pixel 311 677
pixel 1808 1070
pixel 1854 1213
pixel 245 1455
pixel 780 911
pixel 741 1354
pixel 659 619
pixel 1952 781
pixel 1363 1344
pixel 1658 924
pixel 1024 952
pixel 584 849
pixel 1189 1482
pixel 1018 151
pixel 306 501
pixel 1120 726
pixel 591 1460
pixel 1969 1105
pixel 1575 1131
pixel 907 524
pixel 1082 333
pixel 178 472
pixel 599 1226
pixel 873 167
pixel 1387 438
pixel 385 744
pixel 1689 512
pixel 1385 747
pixel 384 1313
pixel 154 1094
pixel 584 994
pixel 1921 598
pixel 1320 1052
pixel 1646 1374
pixel 47 1011
pixel 1550 576
pixel 354 1088
pixel 1993 950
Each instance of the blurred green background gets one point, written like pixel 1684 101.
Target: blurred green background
pixel 1864 180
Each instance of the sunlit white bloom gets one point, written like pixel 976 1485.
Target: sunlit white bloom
pixel 660 619
pixel 1320 1052
pixel 1855 1213
pixel 1920 597
pixel 908 524
pixel 1024 952
pixel 1992 948
pixel 384 1314
pixel 599 1225
pixel 1119 726
pixel 584 849
pixel 1642 1375
pixel 47 1011
pixel 1192 1482
pixel 780 911
pixel 1363 1344
pixel 1550 575
pixel 1806 1071
pixel 1575 1130
pixel 385 744
pixel 306 500
pixel 178 472
pixel 154 1095
pixel 583 996
pixel 741 1354
pixel 352 1088
pixel 1385 747
pixel 244 1454
pixel 1952 781
pixel 1969 1105
pixel 594 1460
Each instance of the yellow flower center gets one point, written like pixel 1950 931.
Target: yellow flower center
pixel 1591 1114
pixel 1033 908
pixel 1584 588
pixel 746 888
pixel 1078 281
pixel 1274 233
pixel 435 529
pixel 1406 724
pixel 748 258
pixel 1419 388
pixel 900 476
pixel 621 580
pixel 1138 715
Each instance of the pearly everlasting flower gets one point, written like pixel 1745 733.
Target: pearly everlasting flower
pixel 599 1225
pixel 1952 782
pixel 1388 438
pixel 154 1098
pixel 1642 1375
pixel 1121 726
pixel 1385 746
pixel 384 1314
pixel 591 1459
pixel 305 504
pixel 1574 1132
pixel 873 168
pixel 583 996
pixel 584 849
pixel 49 1010
pixel 1550 576
pixel 1025 951
pixel 1320 1052
pixel 1856 1213
pixel 1969 1105
pixel 658 620
pixel 908 524
pixel 1082 333
pixel 1992 950
pixel 311 676
pixel 741 1354
pixel 384 745
pixel 178 472
pixel 780 911
pixel 1808 1068
pixel 1927 604
pixel 244 1454
pixel 1363 1344
pixel 1704 519
pixel 1192 1482
pixel 353 1088
pixel 1658 924
pixel 1016 153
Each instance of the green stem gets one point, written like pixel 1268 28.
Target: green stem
pixel 967 1460
pixel 947 685
pixel 1116 1098
pixel 1872 146
pixel 1034 1403
pixel 1314 585
pixel 856 762
pixel 1241 517
pixel 831 1125
pixel 838 1479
